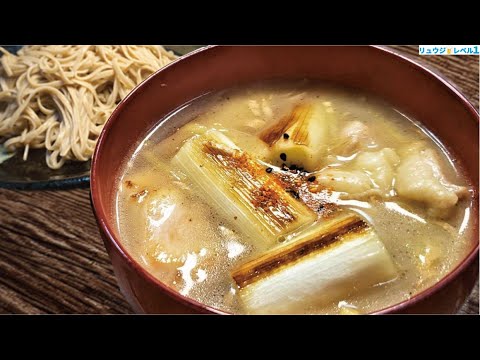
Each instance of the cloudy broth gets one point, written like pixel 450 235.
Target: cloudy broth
pixel 185 241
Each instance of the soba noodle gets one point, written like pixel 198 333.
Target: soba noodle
pixel 58 97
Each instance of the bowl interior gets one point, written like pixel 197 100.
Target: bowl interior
pixel 412 89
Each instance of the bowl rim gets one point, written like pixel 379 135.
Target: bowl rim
pixel 106 227
pixel 473 254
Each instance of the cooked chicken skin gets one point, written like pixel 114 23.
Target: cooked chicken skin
pixel 419 177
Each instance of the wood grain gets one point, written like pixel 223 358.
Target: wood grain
pixel 52 259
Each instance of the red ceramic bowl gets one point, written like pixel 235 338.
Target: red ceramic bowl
pixel 402 82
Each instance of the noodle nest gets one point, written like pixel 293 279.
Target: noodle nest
pixel 59 97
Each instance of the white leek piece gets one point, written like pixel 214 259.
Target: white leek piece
pixel 241 189
pixel 324 264
pixel 301 138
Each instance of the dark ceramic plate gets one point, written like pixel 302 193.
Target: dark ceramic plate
pixel 35 174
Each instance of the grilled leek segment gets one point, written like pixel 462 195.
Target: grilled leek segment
pixel 301 138
pixel 240 188
pixel 329 261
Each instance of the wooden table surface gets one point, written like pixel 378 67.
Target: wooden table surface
pixel 52 259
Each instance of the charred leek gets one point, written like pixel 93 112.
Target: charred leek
pixel 240 188
pixel 331 260
pixel 301 137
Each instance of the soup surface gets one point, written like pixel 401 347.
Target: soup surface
pixel 327 151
